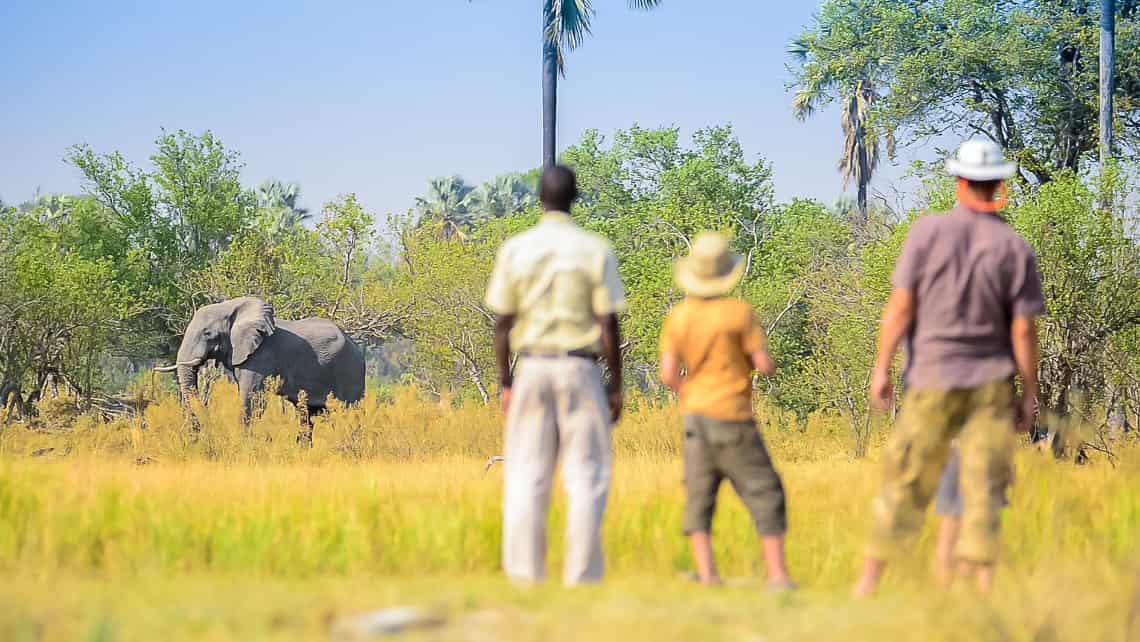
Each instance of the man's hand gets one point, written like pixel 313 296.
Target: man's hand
pixel 503 325
pixel 898 316
pixel 1026 413
pixel 1023 334
pixel 882 390
pixel 505 399
pixel 611 351
pixel 615 397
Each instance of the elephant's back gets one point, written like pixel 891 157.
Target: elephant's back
pixel 333 349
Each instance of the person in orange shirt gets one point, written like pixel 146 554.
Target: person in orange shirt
pixel 718 341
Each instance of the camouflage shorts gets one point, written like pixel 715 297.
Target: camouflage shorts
pixel 916 454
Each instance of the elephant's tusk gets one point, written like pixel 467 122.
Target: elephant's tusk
pixel 187 364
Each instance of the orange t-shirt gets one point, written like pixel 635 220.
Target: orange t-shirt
pixel 714 340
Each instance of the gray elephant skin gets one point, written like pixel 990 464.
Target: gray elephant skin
pixel 243 337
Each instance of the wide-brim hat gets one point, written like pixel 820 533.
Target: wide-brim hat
pixel 980 160
pixel 711 269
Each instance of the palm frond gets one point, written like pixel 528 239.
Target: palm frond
pixel 644 4
pixel 567 23
pixel 800 48
pixel 815 91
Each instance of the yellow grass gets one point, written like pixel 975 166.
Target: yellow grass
pixel 142 530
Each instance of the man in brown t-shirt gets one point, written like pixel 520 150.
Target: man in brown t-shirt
pixel 719 342
pixel 966 297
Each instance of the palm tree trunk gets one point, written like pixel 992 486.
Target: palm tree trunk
pixel 864 161
pixel 1107 77
pixel 549 101
pixel 862 200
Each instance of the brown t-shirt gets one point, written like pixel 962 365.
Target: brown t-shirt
pixel 970 275
pixel 714 339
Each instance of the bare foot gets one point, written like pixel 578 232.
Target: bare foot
pixel 786 586
pixel 864 588
pixel 869 579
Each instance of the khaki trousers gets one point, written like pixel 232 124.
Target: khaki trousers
pixel 558 411
pixel 915 456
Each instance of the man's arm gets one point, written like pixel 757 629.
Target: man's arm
pixel 503 325
pixel 761 359
pixel 1023 333
pixel 671 371
pixel 611 351
pixel 898 315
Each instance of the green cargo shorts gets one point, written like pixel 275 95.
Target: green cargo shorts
pixel 915 456
pixel 716 450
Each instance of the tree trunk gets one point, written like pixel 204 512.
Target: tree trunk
pixel 549 101
pixel 1107 77
pixel 862 198
pixel 1117 412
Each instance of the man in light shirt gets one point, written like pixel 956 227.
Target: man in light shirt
pixel 556 293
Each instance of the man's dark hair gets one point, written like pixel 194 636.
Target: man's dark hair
pixel 558 188
pixel 985 188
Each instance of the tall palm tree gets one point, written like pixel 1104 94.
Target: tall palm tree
pixel 1107 77
pixel 446 207
pixel 860 157
pixel 565 24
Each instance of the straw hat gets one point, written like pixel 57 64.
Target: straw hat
pixel 710 269
pixel 980 160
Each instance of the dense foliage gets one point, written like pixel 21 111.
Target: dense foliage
pixel 1021 72
pixel 116 272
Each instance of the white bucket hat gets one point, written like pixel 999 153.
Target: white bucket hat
pixel 980 160
pixel 711 269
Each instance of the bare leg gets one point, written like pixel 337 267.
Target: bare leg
pixel 944 550
pixel 703 557
pixel 773 546
pixel 983 574
pixel 872 573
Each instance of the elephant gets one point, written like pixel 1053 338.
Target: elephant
pixel 312 355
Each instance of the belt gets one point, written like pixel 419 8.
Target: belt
pixel 577 354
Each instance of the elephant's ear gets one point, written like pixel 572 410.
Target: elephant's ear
pixel 252 324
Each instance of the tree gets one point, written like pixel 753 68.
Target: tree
pixel 565 24
pixel 854 84
pixel 176 219
pixel 278 208
pixel 64 298
pixel 1090 266
pixel 502 196
pixel 1015 71
pixel 446 207
pixel 440 288
pixel 1107 77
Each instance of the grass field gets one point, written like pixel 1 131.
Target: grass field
pixel 140 531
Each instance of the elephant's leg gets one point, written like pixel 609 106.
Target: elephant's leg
pixel 249 386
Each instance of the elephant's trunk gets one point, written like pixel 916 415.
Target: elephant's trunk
pixel 187 382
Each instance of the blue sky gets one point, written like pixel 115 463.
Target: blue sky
pixel 377 97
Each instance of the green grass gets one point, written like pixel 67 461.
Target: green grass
pixel 232 536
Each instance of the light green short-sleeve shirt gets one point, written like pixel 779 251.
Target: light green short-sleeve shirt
pixel 557 279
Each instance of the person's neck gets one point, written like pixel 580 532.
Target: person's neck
pixel 977 212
